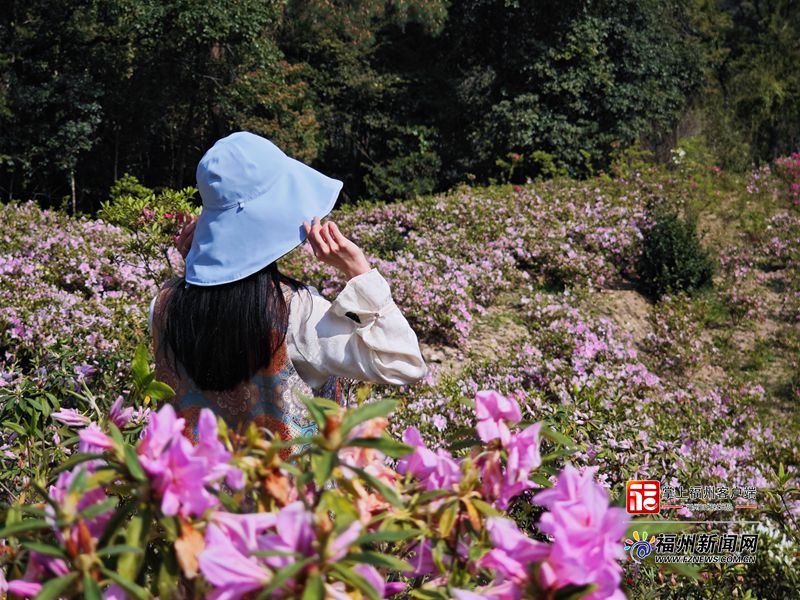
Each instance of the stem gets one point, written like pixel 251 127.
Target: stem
pixel 72 186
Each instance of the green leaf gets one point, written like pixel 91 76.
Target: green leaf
pixel 138 593
pixel 556 436
pixel 100 508
pixel 461 444
pixel 380 560
pixel 132 462
pixel 55 587
pixel 315 411
pixel 168 572
pixel 46 549
pixel 91 591
pixel 542 479
pixel 448 519
pixel 574 592
pixel 158 390
pixel 424 594
pixel 136 534
pixel 383 444
pixel 73 460
pixel 684 569
pixel 268 553
pixel 284 575
pixel 372 410
pixel 119 549
pixel 315 589
pixel 103 476
pixel 116 434
pixel 347 575
pixel 486 508
pixel 116 521
pixel 387 536
pixel 385 490
pixel 140 366
pixel 15 427
pixel 23 527
pixel 322 465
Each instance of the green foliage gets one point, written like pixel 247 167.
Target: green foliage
pixel 750 57
pixel 97 88
pixel 395 98
pixel 152 219
pixel 565 79
pixel 672 258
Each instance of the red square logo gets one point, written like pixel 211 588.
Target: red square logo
pixel 643 497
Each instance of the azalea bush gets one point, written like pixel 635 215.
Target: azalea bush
pixel 527 290
pixel 152 220
pixel 788 170
pixel 351 511
pixel 72 310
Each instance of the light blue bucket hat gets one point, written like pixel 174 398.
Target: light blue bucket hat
pixel 255 199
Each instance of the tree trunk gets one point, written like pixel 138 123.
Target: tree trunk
pixel 72 186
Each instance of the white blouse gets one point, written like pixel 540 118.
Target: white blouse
pixel 322 340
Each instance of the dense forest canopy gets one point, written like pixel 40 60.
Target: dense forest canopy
pixel 394 97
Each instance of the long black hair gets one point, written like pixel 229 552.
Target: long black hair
pixel 223 334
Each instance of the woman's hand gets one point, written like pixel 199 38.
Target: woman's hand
pixel 183 241
pixel 331 247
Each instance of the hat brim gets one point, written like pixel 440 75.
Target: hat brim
pixel 231 244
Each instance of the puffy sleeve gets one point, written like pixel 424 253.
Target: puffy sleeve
pixel 361 335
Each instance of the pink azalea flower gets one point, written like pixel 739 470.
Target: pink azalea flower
pixel 118 415
pixel 512 555
pixel 586 534
pixel 114 592
pixel 243 530
pixel 422 560
pixel 25 589
pixel 58 493
pixel 180 481
pixel 366 458
pixel 344 540
pixel 435 471
pixel 181 471
pixel 492 411
pixel 523 456
pixel 374 578
pixel 232 573
pixel 294 533
pixel 214 452
pixel 161 430
pixel 70 417
pixel 92 439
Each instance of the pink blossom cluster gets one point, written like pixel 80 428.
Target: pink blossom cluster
pixel 788 169
pixel 68 288
pixel 584 548
pixel 180 471
pixel 502 479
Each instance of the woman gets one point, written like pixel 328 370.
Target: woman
pixel 237 336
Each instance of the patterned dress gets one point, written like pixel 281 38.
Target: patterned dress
pixel 271 398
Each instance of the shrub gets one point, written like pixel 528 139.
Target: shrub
pixel 672 258
pixel 139 516
pixel 788 170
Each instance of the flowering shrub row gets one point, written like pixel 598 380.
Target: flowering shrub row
pixel 225 518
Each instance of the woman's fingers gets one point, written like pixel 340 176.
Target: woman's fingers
pixel 336 235
pixel 184 241
pixel 319 245
pixel 325 234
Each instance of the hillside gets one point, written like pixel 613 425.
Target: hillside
pixel 530 290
